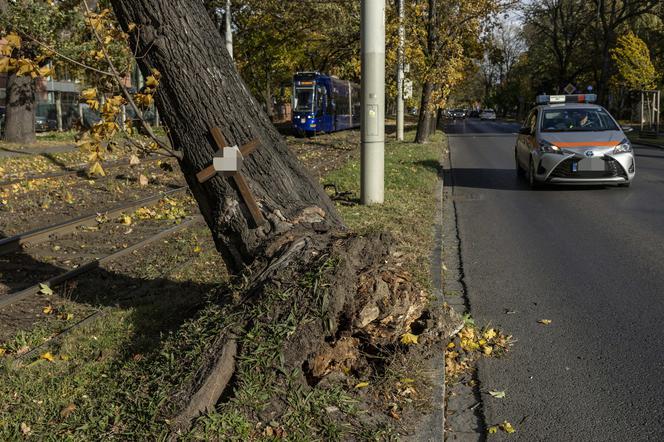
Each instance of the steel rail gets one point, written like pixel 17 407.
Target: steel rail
pixel 42 234
pixel 11 298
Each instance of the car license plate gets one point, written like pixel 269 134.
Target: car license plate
pixel 591 164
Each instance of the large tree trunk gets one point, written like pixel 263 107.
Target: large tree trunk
pixel 20 117
pixel 370 303
pixel 200 89
pixel 424 120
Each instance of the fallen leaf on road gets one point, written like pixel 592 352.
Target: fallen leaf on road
pixel 497 394
pixel 362 385
pixel 142 180
pixel 492 429
pixel 545 321
pixel 48 310
pixel 507 427
pixel 133 160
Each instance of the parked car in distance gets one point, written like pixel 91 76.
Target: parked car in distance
pixel 488 114
pixel 44 124
pixel 458 113
pixel 474 113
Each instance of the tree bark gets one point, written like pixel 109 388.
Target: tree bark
pixel 200 89
pixel 21 106
pixel 424 119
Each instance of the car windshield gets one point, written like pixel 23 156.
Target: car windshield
pixel 577 120
pixel 304 100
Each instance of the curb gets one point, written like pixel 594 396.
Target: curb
pixel 432 425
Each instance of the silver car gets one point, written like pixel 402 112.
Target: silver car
pixel 568 140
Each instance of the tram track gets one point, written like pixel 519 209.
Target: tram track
pixel 35 236
pixel 16 296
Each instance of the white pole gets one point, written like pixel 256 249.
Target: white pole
pixel 400 57
pixel 372 187
pixel 229 32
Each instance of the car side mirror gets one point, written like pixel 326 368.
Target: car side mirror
pixel 524 131
pixel 627 129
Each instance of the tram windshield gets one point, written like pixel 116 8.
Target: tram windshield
pixel 304 100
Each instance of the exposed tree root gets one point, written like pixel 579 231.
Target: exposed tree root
pixel 350 297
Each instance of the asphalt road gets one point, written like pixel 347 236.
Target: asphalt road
pixel 589 259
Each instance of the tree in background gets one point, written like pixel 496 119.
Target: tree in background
pixel 633 63
pixel 24 61
pixel 447 35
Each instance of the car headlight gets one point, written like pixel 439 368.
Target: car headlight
pixel 623 147
pixel 546 147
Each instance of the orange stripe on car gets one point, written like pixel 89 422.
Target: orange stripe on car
pixel 586 144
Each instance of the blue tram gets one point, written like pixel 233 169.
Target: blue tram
pixel 324 104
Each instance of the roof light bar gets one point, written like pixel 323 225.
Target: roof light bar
pixel 557 99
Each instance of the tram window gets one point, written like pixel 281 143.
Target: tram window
pixel 320 100
pixel 304 100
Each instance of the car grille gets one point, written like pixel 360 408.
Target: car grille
pixel 612 169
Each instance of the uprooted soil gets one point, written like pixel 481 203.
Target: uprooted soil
pixel 325 312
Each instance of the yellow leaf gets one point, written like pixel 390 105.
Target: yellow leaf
pixel 126 220
pixel 131 26
pixel 133 160
pixel 13 40
pixel 4 65
pixel 451 345
pixel 45 71
pixel 48 357
pixel 407 380
pixel 197 249
pixel 45 289
pixel 25 66
pixel 487 350
pixel 25 429
pixel 89 94
pixel 48 310
pixel 142 180
pixel 492 429
pixel 490 334
pixel 69 317
pixel 507 427
pixel 151 81
pixel 2 351
pixel 362 385
pixel 545 321
pixel 408 339
pixel 96 169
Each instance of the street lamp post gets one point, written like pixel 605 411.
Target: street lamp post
pixel 400 73
pixel 373 102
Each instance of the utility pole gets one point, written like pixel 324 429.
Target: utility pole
pixel 229 32
pixel 372 186
pixel 400 75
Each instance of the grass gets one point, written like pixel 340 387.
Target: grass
pixel 411 172
pixel 112 379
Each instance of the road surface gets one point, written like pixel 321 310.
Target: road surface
pixel 589 259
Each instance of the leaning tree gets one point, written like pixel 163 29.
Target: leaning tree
pixel 201 90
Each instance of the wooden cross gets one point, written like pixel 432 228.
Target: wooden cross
pixel 239 180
